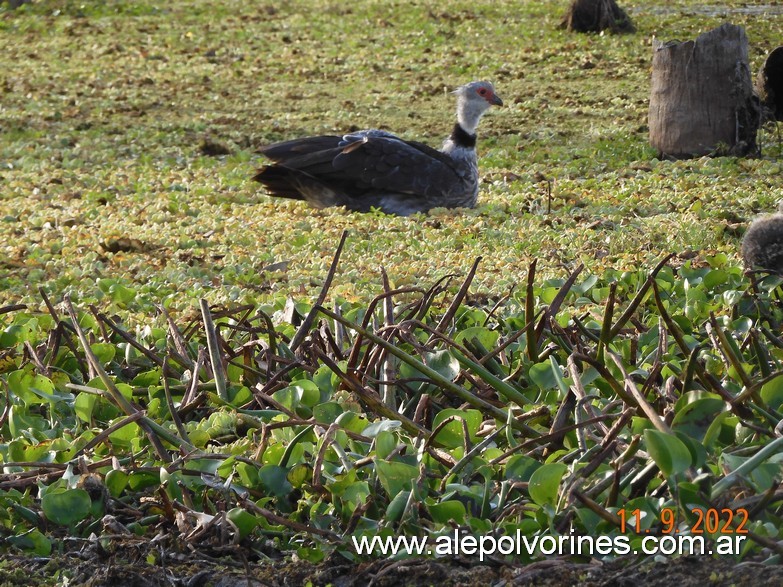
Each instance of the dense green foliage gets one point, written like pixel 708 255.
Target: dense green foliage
pixel 168 368
pixel 657 393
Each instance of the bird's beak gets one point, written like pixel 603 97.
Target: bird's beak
pixel 495 100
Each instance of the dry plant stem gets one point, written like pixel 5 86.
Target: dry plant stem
pixel 372 399
pixel 445 384
pixel 596 508
pixel 457 301
pixel 307 323
pixel 604 339
pixel 40 367
pixel 560 297
pixel 639 399
pixel 354 355
pixel 145 423
pixel 560 421
pixel 513 337
pixel 36 476
pixel 579 389
pixel 7 407
pixel 326 441
pixel 62 326
pixel 157 359
pixel 104 435
pixel 176 336
pixel 606 374
pixel 638 298
pixel 99 321
pixel 388 363
pixel 170 403
pixel 498 304
pixel 532 340
pixel 214 351
pixel 420 308
pixel 190 393
pixel 676 333
pixel 273 518
pixel 727 349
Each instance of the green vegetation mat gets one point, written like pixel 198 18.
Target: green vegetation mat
pixel 185 361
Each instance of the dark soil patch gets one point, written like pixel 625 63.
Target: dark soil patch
pixel 199 570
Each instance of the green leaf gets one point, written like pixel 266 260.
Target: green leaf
pixel 299 475
pixel 20 421
pixel 719 429
pixel 352 422
pixel 327 412
pixel 448 511
pixel 20 451
pixel 116 481
pixel 695 418
pixel 247 473
pixel 486 337
pixel 302 393
pixel 139 480
pixel 66 507
pixel 274 479
pixel 309 394
pixel 84 406
pixel 239 395
pixel 521 467
pixel 452 435
pixel 395 476
pixel 385 443
pixel 243 520
pixel 355 494
pixel 33 541
pixel 444 363
pixel 542 375
pixel 311 555
pixel 122 437
pixel 669 452
pixel 772 392
pixel 544 484
pixel 23 382
pixel 696 448
pixel 397 506
pixel 381 426
pixel 104 351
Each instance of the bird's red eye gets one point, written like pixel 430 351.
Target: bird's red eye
pixel 482 92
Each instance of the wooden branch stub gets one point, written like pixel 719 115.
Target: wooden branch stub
pixel 595 16
pixel 702 100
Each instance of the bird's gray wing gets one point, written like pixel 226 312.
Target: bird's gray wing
pixel 389 164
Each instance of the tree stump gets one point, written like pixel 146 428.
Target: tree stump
pixel 595 16
pixel 702 99
pixel 769 85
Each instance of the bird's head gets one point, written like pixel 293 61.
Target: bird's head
pixel 479 92
pixel 473 100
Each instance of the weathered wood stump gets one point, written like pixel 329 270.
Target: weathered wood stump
pixel 595 16
pixel 702 99
pixel 769 85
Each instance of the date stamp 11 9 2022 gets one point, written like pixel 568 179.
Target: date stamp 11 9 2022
pixel 704 521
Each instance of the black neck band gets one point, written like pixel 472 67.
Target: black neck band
pixel 461 138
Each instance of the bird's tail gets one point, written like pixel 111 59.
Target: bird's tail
pixel 293 184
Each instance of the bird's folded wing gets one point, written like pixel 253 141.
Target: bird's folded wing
pixel 392 165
